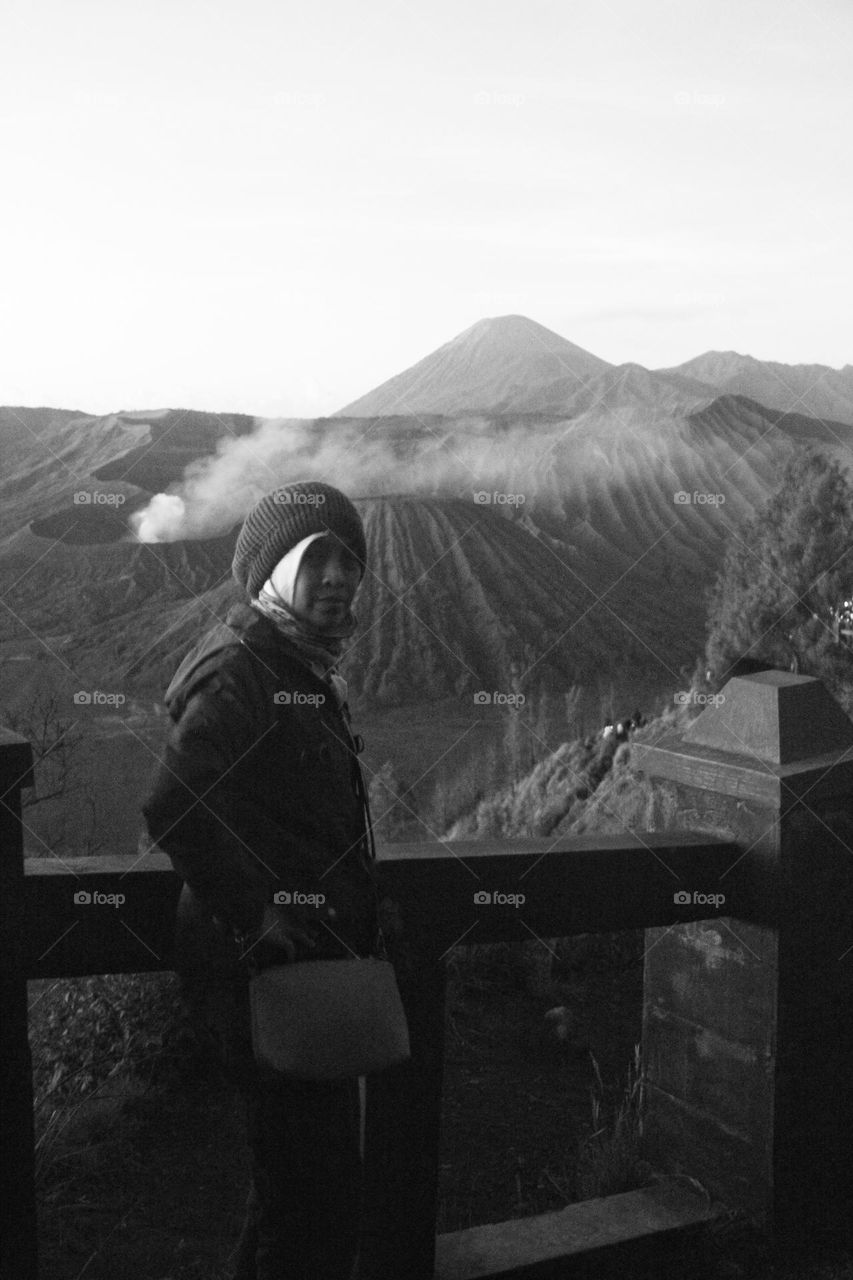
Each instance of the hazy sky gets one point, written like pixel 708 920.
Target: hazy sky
pixel 272 207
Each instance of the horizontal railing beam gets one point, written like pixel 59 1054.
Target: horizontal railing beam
pixel 631 1227
pixel 116 914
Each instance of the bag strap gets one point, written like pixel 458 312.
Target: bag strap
pixel 381 949
pixel 356 743
pixel 365 804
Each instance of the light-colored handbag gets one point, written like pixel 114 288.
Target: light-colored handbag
pixel 328 1019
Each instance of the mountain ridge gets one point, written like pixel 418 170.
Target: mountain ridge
pixel 498 359
pixel 814 389
pixel 595 517
pixel 511 363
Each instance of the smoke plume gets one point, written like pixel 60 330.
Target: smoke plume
pixel 363 457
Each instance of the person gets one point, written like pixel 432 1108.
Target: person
pixel 260 804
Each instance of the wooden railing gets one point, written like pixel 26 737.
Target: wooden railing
pixel 747 984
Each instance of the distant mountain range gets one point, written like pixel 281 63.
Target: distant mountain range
pixel 510 364
pixel 812 389
pixel 528 507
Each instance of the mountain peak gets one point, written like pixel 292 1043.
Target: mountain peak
pixel 519 333
pixel 513 326
pixel 500 364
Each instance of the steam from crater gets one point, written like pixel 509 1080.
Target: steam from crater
pixel 363 457
pixel 163 520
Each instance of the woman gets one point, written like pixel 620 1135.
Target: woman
pixel 260 804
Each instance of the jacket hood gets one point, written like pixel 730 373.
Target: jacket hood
pixel 242 625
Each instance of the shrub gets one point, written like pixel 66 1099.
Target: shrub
pixel 85 1032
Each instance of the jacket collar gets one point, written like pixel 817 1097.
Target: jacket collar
pixel 242 625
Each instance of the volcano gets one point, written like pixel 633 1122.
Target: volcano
pixel 501 365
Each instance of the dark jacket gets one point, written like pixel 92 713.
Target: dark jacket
pixel 260 789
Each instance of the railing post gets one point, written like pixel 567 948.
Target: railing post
pixel 403 1127
pixel 18 1251
pixel 747 1026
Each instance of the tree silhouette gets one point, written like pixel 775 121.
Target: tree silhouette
pixel 41 712
pixel 786 575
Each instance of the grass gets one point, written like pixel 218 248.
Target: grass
pixel 610 1159
pixel 95 1043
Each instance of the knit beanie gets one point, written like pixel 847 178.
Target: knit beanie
pixel 286 516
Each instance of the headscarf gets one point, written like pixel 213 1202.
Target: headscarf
pixel 320 649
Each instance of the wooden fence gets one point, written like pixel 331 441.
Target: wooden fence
pixel 748 910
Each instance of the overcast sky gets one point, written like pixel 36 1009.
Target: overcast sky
pixel 272 207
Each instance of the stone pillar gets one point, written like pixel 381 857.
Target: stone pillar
pixel 748 1018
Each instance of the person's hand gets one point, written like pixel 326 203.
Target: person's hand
pixel 287 926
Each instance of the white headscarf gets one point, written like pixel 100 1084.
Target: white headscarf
pixel 275 600
pixel 282 581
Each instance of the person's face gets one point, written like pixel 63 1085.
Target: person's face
pixel 326 583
